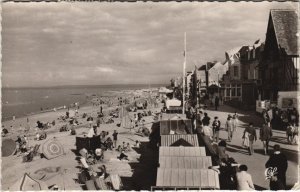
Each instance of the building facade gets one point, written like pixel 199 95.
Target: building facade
pixel 279 67
pixel 241 80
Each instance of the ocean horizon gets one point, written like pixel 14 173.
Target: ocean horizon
pixel 23 101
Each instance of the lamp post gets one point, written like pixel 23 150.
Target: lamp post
pixel 218 85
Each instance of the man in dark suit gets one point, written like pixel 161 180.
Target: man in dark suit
pixel 279 161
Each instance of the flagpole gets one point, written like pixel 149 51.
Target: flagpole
pixel 183 78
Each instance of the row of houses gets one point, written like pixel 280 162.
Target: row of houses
pixel 257 71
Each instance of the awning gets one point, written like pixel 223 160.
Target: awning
pixel 173 103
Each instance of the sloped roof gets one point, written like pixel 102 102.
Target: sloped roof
pixel 285 25
pixel 203 67
pixel 177 140
pixel 233 51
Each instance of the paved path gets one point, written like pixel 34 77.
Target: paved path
pixel 256 162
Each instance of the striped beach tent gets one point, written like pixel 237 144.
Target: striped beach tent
pixel 52 149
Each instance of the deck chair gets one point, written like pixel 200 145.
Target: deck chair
pixel 116 181
pixel 35 149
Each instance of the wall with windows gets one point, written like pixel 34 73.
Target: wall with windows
pixel 233 91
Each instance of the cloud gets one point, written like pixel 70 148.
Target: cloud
pixel 104 43
pixel 105 69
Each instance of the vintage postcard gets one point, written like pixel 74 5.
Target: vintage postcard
pixel 100 95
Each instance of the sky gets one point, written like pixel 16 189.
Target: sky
pixel 50 44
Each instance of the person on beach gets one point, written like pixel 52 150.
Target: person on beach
pixel 265 135
pixel 123 156
pixel 115 138
pixel 279 161
pixel 137 144
pixel 91 132
pixel 216 128
pixel 229 127
pixel 250 130
pixel 90 120
pixel 244 179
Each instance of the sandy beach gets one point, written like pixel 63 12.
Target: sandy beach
pixel 63 170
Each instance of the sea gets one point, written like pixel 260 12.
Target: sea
pixel 20 102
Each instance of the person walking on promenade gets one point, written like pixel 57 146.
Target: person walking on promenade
pixel 206 119
pixel 217 100
pixel 207 132
pixel 266 117
pixel 290 133
pixel 115 138
pixel 216 128
pixel 229 127
pixel 279 161
pixel 250 130
pixel 265 135
pixel 244 179
pixel 235 120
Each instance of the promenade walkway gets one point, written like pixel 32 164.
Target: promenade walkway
pixel 256 162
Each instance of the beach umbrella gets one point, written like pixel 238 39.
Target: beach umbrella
pixel 27 183
pixel 52 149
pixel 8 147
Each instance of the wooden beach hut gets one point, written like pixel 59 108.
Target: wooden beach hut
pixel 182 151
pixel 186 179
pixel 181 162
pixel 177 126
pixel 180 140
pixel 168 116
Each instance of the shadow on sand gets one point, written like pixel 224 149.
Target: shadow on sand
pixel 144 172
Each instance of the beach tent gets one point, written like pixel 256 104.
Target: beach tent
pixel 82 142
pixel 27 183
pixel 88 143
pixel 8 147
pixel 52 149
